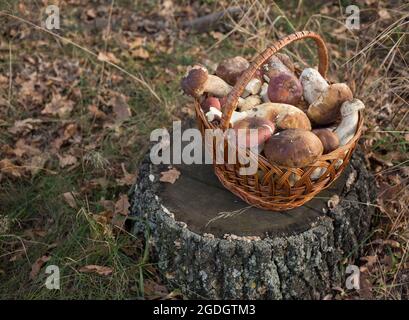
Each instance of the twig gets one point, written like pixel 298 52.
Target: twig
pixel 210 21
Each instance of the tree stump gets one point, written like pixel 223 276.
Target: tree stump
pixel 212 245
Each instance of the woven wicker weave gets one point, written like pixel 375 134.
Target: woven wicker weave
pixel 273 186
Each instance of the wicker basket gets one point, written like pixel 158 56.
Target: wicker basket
pixel 271 187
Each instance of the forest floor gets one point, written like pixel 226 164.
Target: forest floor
pixel 77 106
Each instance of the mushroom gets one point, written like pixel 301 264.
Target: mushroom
pixel 283 86
pixel 249 102
pixel 285 116
pixel 313 84
pixel 215 114
pixel 329 139
pixel 244 131
pixel 326 108
pixel 198 80
pixel 231 69
pixel 294 148
pixel 349 123
pixel 210 102
pixel 263 93
pixel 317 173
pixel 286 60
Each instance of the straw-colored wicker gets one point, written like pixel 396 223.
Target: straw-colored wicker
pixel 275 187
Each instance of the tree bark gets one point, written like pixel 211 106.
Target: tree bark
pixel 299 261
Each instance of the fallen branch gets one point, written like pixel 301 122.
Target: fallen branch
pixel 211 21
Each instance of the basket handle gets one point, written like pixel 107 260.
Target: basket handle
pixel 233 96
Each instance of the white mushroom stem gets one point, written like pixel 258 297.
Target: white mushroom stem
pixel 313 84
pixel 317 173
pixel 263 93
pixel 253 87
pixel 217 86
pixel 249 102
pixel 349 123
pixel 214 114
pixel 292 179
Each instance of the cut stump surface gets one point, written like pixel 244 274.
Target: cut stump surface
pixel 212 245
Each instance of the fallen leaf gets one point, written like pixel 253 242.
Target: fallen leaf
pixel 67 160
pixel 136 43
pixel 122 205
pixel 120 107
pixel 8 167
pixel 108 205
pixel 170 176
pixel 24 126
pixel 140 53
pixel 369 261
pixel 217 35
pixel 107 57
pixel 98 114
pixel 36 267
pixel 22 148
pixel 59 105
pixel 38 162
pixel 128 179
pixel 384 14
pixel 92 268
pixel 69 198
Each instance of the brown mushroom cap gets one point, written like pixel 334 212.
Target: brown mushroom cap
pixel 294 148
pixel 284 87
pixel 329 139
pixel 265 129
pixel 193 84
pixel 231 69
pixel 285 116
pixel 326 108
pixel 210 102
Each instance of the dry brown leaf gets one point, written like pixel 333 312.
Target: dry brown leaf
pixel 136 43
pixel 108 205
pixel 91 13
pixel 69 198
pixel 140 53
pixel 24 126
pixel 67 160
pixel 120 107
pixel 122 205
pixel 37 163
pixel 108 57
pixel 8 167
pixel 98 114
pixel 384 14
pixel 36 267
pixel 59 105
pixel 92 268
pixel 22 148
pixel 170 176
pixel 128 179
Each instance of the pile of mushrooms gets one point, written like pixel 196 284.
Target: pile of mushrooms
pixel 274 102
